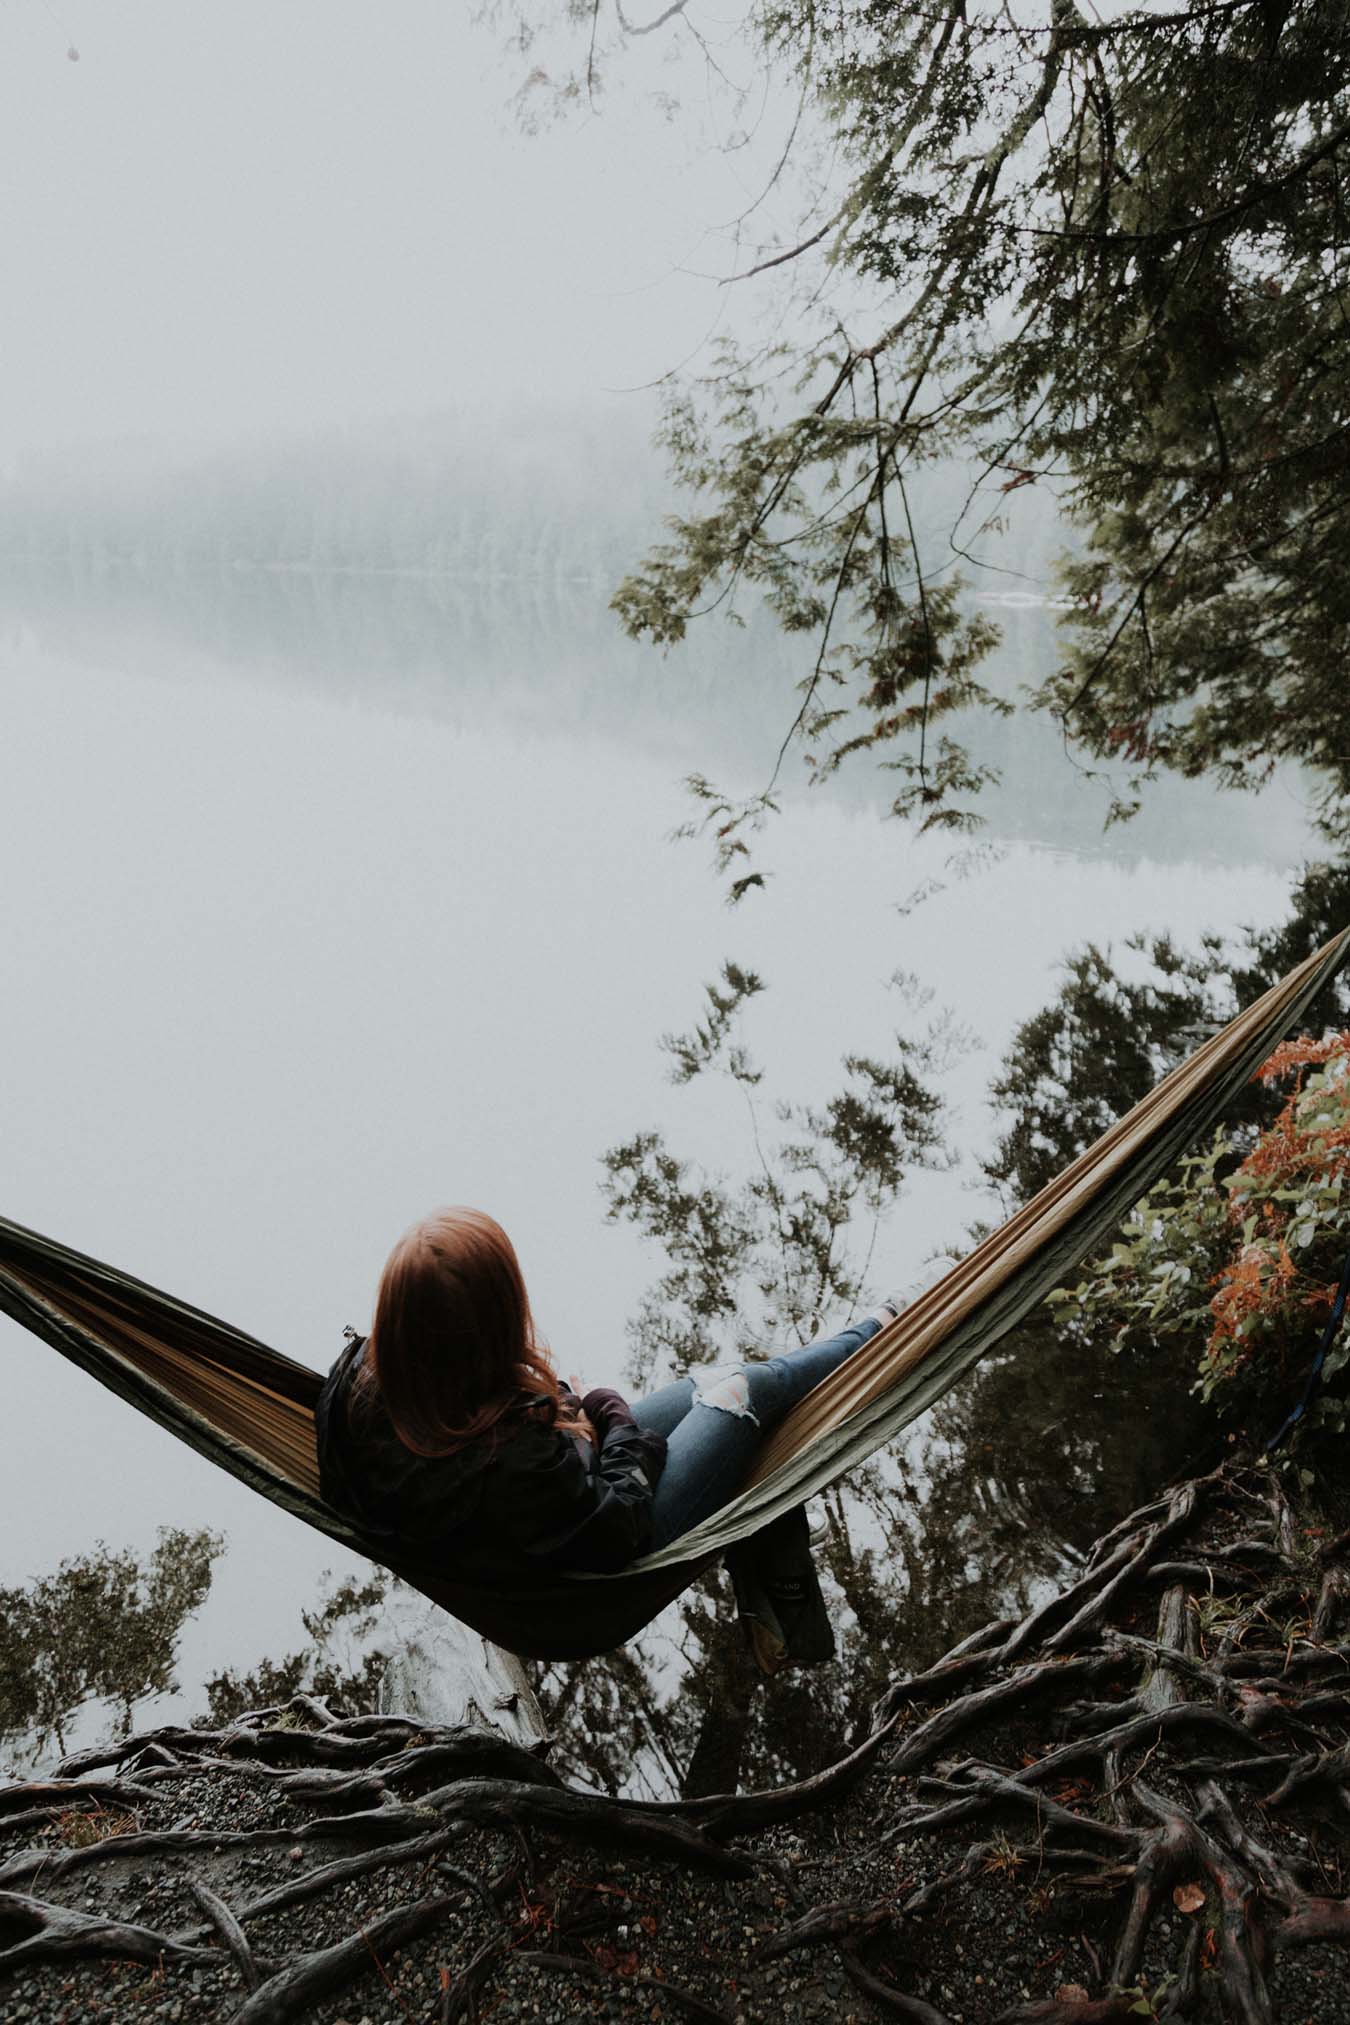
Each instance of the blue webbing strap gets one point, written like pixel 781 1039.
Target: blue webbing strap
pixel 1310 1390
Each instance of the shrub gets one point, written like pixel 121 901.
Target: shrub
pixel 1239 1253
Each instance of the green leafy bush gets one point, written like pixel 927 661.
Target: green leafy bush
pixel 1239 1252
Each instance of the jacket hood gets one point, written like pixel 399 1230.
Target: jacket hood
pixel 365 1470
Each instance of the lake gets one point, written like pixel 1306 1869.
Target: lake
pixel 333 898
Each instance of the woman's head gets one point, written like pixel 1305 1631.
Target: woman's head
pixel 452 1347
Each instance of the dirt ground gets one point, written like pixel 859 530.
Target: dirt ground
pixel 1133 1804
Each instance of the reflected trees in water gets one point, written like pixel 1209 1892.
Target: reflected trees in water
pixel 995 1492
pixel 1010 1477
pixel 101 1633
pixel 988 1500
pixel 103 1627
pixel 338 1663
pixel 1118 1024
pixel 984 1505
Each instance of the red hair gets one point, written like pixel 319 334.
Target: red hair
pixel 452 1350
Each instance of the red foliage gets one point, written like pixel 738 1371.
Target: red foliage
pixel 1294 1158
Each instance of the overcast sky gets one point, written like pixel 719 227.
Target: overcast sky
pixel 232 220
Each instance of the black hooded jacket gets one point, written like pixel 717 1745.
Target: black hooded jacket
pixel 528 1499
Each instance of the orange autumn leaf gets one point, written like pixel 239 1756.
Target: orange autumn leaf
pixel 1188 1898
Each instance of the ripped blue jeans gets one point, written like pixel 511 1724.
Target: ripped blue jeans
pixel 714 1422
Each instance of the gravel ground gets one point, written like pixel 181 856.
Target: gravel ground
pixel 536 1924
pixel 1005 1936
pixel 980 1951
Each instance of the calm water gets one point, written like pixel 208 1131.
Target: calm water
pixel 330 901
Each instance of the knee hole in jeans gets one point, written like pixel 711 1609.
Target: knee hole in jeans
pixel 725 1392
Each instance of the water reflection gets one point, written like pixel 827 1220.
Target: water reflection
pixel 86 1648
pixel 546 656
pixel 311 937
pixel 103 1627
pixel 993 1497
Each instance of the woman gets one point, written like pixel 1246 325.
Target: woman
pixel 448 1431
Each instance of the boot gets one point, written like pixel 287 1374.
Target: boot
pixel 778 1595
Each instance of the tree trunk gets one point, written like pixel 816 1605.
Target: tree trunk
pixel 440 1672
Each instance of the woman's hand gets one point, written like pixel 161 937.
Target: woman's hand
pixel 587 1425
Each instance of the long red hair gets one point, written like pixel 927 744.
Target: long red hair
pixel 452 1350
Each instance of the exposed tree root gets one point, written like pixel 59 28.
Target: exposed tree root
pixel 307 1978
pixel 1141 1745
pixel 231 1933
pixel 1123 2010
pixel 344 1870
pixel 885 1994
pixel 36 1930
pixel 52 1865
pixel 25 1800
pixel 590 1972
pixel 831 1923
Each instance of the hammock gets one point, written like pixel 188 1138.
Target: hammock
pixel 251 1410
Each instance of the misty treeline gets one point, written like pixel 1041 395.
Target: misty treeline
pixel 1097 256
pixel 530 497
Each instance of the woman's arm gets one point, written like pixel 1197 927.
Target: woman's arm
pixel 570 1395
pixel 592 1515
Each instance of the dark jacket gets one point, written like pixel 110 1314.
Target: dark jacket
pixel 532 1498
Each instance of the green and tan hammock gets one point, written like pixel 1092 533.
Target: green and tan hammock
pixel 251 1410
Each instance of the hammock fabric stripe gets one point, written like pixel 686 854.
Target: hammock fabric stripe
pixel 251 1411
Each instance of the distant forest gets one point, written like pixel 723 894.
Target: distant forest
pixel 462 568
pixel 531 499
